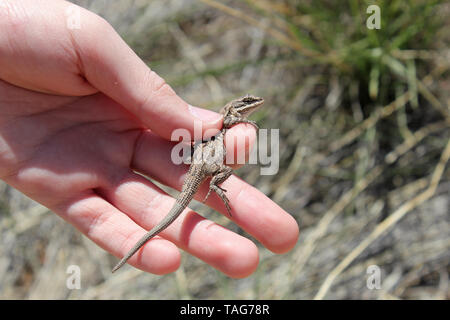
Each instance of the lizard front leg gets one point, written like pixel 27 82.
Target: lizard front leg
pixel 218 177
pixel 231 120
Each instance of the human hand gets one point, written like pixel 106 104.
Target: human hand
pixel 80 113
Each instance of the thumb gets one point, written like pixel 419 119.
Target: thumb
pixel 39 50
pixel 113 68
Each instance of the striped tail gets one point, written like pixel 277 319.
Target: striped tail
pixel 186 195
pixel 176 210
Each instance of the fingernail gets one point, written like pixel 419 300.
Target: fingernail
pixel 204 114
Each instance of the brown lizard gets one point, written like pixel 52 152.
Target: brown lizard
pixel 207 161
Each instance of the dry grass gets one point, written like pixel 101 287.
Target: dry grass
pixel 363 152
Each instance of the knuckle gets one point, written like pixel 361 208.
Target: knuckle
pixel 158 85
pixel 93 20
pixel 154 87
pixel 100 23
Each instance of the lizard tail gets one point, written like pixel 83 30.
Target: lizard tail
pixel 176 210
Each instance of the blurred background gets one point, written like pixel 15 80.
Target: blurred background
pixel 364 125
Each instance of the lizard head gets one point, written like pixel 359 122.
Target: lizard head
pixel 242 107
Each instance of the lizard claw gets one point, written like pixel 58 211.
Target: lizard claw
pixel 207 195
pixel 227 205
pixel 221 193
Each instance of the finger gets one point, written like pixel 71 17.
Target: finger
pixel 112 230
pixel 146 204
pixel 239 141
pixel 111 66
pixel 81 59
pixel 251 209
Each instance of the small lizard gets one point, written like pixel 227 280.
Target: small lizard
pixel 207 161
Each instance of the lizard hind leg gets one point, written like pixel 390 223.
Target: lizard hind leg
pixel 220 176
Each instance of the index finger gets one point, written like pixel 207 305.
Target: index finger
pixel 251 209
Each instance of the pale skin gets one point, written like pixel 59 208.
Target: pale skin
pixel 80 112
